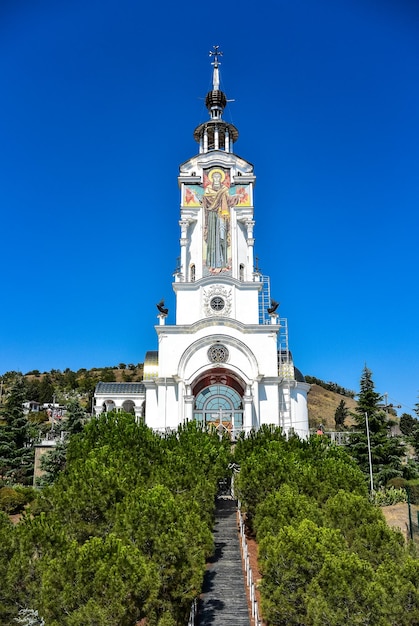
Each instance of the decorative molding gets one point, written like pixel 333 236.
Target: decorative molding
pixel 221 292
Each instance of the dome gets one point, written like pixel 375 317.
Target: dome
pixel 215 98
pixel 298 376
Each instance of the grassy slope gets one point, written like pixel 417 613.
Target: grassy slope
pixel 322 405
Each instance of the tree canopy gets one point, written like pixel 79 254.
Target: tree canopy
pixel 326 554
pixel 124 531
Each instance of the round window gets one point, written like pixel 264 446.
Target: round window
pixel 218 353
pixel 217 303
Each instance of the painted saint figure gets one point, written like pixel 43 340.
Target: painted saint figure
pixel 217 203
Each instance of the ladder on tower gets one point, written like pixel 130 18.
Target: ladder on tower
pixel 264 300
pixel 286 374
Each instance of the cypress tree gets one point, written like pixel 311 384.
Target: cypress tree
pixel 341 414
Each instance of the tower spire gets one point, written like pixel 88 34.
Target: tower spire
pixel 216 134
pixel 216 52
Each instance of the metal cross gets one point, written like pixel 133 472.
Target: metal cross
pixel 215 53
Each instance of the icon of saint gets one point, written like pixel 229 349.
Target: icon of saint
pixel 217 203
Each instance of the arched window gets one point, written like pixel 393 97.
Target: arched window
pixel 192 273
pixel 241 272
pixel 220 407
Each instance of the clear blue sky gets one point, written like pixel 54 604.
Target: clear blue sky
pixel 99 102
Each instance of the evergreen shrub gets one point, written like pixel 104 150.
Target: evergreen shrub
pixel 11 501
pixel 397 482
pixel 413 487
pixel 14 499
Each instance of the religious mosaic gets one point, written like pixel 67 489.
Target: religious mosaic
pixel 217 196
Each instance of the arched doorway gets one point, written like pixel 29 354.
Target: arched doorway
pixel 129 406
pixel 219 402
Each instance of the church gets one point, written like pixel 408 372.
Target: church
pixel 225 363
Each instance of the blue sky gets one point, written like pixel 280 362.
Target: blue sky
pixel 99 103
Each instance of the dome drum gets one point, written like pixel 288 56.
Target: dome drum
pixel 211 128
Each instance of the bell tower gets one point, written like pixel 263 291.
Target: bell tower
pixel 216 188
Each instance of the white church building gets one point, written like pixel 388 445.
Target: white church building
pixel 225 363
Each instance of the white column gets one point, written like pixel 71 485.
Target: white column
pixel 138 411
pixel 248 406
pixel 250 244
pixel 188 400
pixel 227 141
pixel 216 139
pixel 183 243
pixel 205 140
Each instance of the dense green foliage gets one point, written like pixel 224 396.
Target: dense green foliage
pixel 408 424
pixel 124 531
pixel 122 527
pixel 16 434
pixel 326 554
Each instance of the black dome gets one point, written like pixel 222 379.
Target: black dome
pixel 215 98
pixel 298 376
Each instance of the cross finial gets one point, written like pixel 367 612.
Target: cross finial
pixel 215 53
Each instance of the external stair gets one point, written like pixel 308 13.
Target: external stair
pixel 224 601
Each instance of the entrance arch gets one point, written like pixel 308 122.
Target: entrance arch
pixel 219 401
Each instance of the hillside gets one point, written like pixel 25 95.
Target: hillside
pixel 322 405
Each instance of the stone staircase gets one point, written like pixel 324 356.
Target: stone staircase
pixel 223 600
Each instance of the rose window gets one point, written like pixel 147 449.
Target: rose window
pixel 218 354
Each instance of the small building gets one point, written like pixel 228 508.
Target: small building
pixel 31 407
pixel 129 397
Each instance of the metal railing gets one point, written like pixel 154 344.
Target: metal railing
pixel 251 586
pixel 194 613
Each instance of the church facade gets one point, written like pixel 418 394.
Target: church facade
pixel 225 362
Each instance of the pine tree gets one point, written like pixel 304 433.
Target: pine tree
pixel 341 414
pixel 76 418
pixel 16 450
pixel 386 451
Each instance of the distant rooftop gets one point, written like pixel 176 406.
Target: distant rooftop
pixel 127 388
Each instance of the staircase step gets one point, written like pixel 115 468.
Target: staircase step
pixel 223 600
